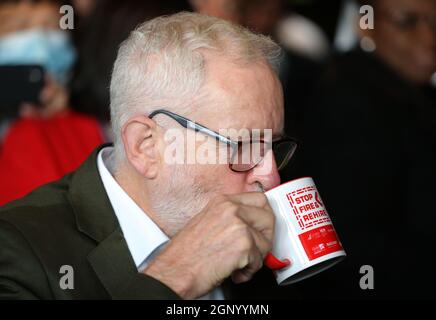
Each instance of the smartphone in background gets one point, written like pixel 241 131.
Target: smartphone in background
pixel 19 84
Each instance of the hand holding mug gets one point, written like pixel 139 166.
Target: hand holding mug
pixel 305 241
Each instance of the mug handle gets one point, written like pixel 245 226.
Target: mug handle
pixel 274 263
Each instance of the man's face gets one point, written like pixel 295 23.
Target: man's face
pixel 405 38
pixel 234 97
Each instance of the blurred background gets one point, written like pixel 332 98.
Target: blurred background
pixel 361 101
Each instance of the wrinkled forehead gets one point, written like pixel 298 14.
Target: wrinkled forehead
pixel 240 96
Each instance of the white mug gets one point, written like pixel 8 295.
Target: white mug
pixel 305 241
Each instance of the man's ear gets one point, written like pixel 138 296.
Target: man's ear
pixel 140 140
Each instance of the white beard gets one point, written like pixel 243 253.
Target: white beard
pixel 178 199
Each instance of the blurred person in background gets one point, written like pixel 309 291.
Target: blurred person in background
pixel 229 10
pixel 296 69
pixel 29 34
pixel 47 140
pixel 372 150
pixel 83 8
pixel 97 39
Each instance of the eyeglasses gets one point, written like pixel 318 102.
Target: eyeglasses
pixel 242 158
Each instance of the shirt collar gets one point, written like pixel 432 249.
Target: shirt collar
pixel 142 235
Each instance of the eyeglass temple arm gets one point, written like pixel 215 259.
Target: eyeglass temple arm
pixel 184 122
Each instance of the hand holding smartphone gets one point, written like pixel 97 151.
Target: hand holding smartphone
pixel 18 85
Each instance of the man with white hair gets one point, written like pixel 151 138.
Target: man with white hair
pixel 133 223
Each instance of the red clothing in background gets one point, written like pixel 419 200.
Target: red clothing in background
pixel 37 151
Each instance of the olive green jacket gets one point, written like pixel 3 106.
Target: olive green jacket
pixel 69 223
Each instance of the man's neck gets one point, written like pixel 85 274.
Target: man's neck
pixel 135 189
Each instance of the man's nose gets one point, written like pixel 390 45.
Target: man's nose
pixel 265 173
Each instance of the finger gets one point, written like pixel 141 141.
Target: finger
pixel 49 80
pixel 263 236
pixel 257 199
pixel 262 243
pixel 261 220
pixel 54 99
pixel 47 91
pixel 245 274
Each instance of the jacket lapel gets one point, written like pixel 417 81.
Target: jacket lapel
pixel 113 265
pixel 94 213
pixel 95 217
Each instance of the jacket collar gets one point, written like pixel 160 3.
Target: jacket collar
pixel 94 213
pixel 95 217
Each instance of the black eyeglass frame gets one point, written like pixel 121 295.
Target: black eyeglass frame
pixel 235 145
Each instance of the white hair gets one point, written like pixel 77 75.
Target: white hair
pixel 161 63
